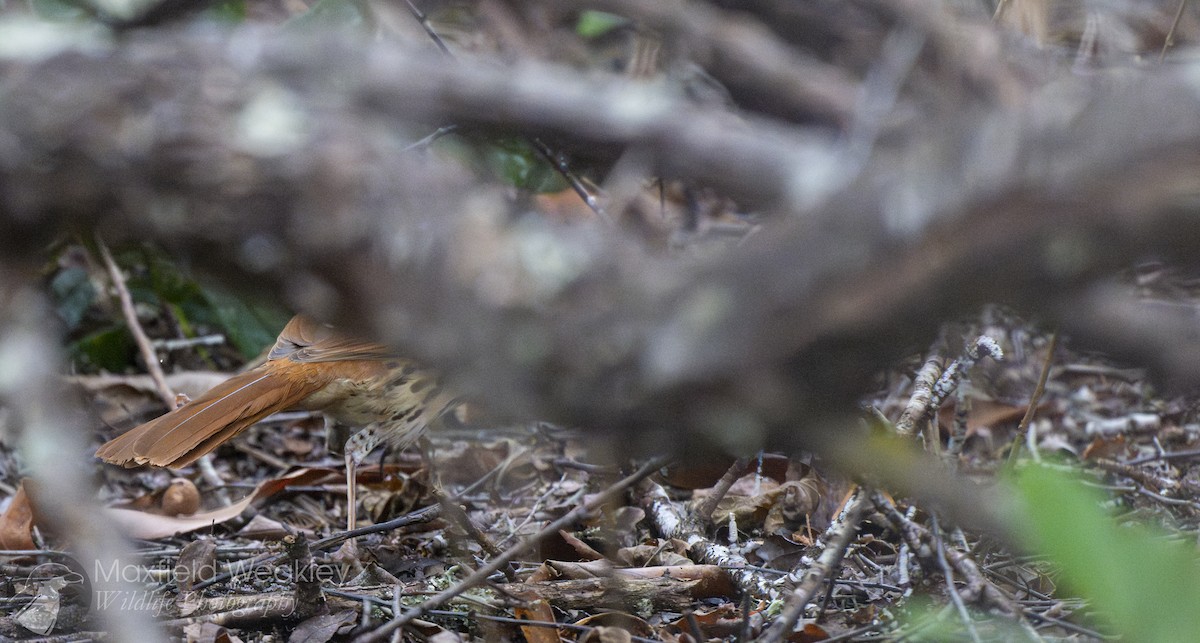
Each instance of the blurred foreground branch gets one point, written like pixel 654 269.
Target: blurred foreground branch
pixel 278 161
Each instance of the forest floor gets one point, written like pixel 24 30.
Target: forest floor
pixel 643 564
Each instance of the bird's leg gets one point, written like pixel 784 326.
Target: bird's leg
pixel 358 447
pixel 426 449
pixel 351 491
pixel 387 447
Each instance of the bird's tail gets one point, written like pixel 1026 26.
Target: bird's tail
pixel 180 437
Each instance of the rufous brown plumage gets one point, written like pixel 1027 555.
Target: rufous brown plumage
pixel 355 382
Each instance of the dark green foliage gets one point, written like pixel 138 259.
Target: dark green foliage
pixel 109 349
pixel 249 327
pixel 517 163
pixel 232 11
pixel 593 24
pixel 166 299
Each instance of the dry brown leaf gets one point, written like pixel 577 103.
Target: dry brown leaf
pixel 1103 447
pixel 536 608
pixel 156 501
pixel 122 398
pixel 794 501
pixel 984 413
pixel 262 528
pixel 650 553
pixel 197 563
pixel 208 633
pixel 754 501
pixel 148 526
pixel 322 627
pixel 585 551
pixel 614 626
pixel 810 633
pixel 16 524
pixel 721 622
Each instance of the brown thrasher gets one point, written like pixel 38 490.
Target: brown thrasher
pixel 311 367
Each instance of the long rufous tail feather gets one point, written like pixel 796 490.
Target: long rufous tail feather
pixel 180 437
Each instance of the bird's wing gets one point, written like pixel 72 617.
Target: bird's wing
pixel 304 340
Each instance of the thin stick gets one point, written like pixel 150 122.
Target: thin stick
pixel 1023 427
pixel 512 553
pixel 838 537
pixel 429 30
pixel 135 327
pixel 428 140
pixel 423 515
pixel 705 510
pixel 455 512
pixel 1170 39
pixel 544 150
pixel 564 170
pixel 948 573
pixel 146 348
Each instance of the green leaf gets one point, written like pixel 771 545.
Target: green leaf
pixel 229 11
pixel 73 295
pixel 161 279
pixel 516 162
pixel 110 349
pixel 155 279
pixel 249 328
pixel 1146 585
pixel 592 24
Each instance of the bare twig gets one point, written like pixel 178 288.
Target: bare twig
pixel 560 165
pixel 556 160
pixel 429 30
pixel 919 408
pixel 456 513
pixel 922 542
pixel 1034 400
pixel 512 553
pixel 670 522
pixel 1170 39
pixel 837 538
pixel 135 327
pixel 705 510
pixel 430 138
pixel 187 342
pixel 1160 484
pixel 948 574
pixel 423 515
pixel 150 357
